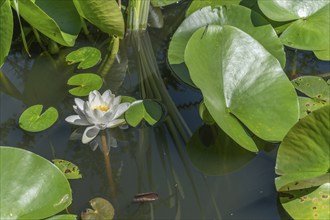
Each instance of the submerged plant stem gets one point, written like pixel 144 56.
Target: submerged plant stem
pixel 110 57
pixel 108 164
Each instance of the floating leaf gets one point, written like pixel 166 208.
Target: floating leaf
pixel 104 14
pixel 318 91
pixel 310 26
pixel 308 145
pixel 205 114
pixel 240 82
pixel 148 110
pixel 32 120
pixel 214 153
pixel 87 56
pixel 127 99
pixel 312 203
pixel 70 170
pixel 85 82
pixel 6 30
pixel 63 217
pixel 238 16
pixel 322 54
pixel 103 210
pixel 31 186
pixel 313 86
pixel 196 5
pixel 60 22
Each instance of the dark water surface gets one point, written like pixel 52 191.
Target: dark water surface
pixel 147 159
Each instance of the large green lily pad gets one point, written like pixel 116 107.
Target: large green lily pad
pixel 6 29
pixel 214 153
pixel 60 22
pixel 312 203
pixel 235 15
pixel 317 90
pixel 148 110
pixel 308 145
pixel 32 120
pixel 85 83
pixel 310 27
pixel 243 85
pixel 86 57
pixel 104 14
pixel 197 4
pixel 31 186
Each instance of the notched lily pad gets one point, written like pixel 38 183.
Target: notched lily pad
pixel 317 90
pixel 70 170
pixel 311 203
pixel 32 120
pixel 308 145
pixel 102 210
pixel 148 110
pixel 87 56
pixel 85 83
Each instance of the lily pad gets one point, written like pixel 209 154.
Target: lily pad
pixel 214 153
pixel 313 86
pixel 6 31
pixel 318 91
pixel 63 217
pixel 196 4
pixel 308 145
pixel 243 85
pixel 310 26
pixel 312 203
pixel 103 210
pixel 87 56
pixel 322 54
pixel 32 120
pixel 85 82
pixel 31 186
pixel 148 110
pixel 235 15
pixel 70 170
pixel 60 22
pixel 205 114
pixel 104 14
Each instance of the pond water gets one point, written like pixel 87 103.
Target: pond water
pixel 148 159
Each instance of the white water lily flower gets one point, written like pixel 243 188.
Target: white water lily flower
pixel 98 113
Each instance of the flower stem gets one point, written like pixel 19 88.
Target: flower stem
pixel 108 164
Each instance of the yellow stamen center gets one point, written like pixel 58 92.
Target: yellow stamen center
pixel 103 108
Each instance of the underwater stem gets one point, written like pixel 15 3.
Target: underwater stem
pixel 108 164
pixel 110 58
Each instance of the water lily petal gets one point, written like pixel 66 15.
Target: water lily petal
pixel 91 96
pixel 123 107
pixel 117 100
pixel 106 95
pixel 89 134
pixel 115 123
pixel 110 101
pixel 89 113
pixel 109 115
pixel 80 103
pixel 96 100
pixel 79 112
pixel 76 120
